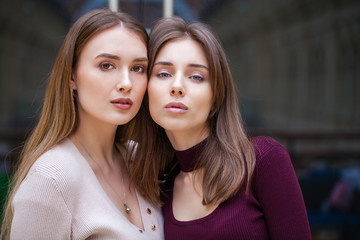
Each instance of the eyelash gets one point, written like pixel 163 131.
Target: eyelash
pixel 199 78
pixel 162 75
pixel 110 66
pixel 138 66
pixel 196 78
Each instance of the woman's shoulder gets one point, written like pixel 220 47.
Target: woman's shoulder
pixel 268 150
pixel 264 145
pixel 58 163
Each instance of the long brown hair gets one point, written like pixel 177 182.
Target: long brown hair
pixel 58 118
pixel 228 160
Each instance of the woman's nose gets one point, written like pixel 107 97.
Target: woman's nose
pixel 177 92
pixel 124 83
pixel 177 87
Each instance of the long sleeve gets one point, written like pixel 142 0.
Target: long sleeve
pixel 280 195
pixel 61 198
pixel 40 211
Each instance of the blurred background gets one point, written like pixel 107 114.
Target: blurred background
pixel 296 64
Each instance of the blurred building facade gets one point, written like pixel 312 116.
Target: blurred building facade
pixel 31 33
pixel 297 62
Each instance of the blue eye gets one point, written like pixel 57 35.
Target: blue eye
pixel 106 66
pixel 163 75
pixel 138 69
pixel 197 78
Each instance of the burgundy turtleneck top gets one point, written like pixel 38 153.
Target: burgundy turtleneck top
pixel 274 208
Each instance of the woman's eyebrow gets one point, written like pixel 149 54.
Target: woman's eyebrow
pixel 164 63
pixel 112 56
pixel 144 59
pixel 108 55
pixel 198 66
pixel 189 65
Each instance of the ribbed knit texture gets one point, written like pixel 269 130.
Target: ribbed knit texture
pixel 274 208
pixel 61 198
pixel 187 158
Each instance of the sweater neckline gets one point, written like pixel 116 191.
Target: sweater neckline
pixel 188 158
pixel 96 184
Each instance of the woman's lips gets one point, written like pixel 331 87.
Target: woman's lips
pixel 122 103
pixel 176 107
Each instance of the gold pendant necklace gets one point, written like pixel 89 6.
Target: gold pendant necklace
pixel 126 207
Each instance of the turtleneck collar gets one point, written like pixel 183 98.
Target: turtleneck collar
pixel 188 158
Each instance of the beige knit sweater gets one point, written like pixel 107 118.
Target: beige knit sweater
pixel 61 198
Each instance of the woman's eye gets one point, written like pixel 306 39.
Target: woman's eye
pixel 106 66
pixel 197 78
pixel 163 75
pixel 138 69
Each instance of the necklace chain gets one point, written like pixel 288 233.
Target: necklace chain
pixel 126 207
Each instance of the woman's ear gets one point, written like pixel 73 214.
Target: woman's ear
pixel 72 82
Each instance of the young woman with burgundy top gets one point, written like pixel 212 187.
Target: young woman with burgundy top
pixel 216 183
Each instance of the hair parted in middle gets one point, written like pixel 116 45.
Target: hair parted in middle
pixel 58 118
pixel 228 159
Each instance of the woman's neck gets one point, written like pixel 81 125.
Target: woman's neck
pixel 99 143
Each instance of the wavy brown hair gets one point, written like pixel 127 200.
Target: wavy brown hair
pixel 58 118
pixel 228 160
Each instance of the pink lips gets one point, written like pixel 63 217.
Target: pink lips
pixel 122 103
pixel 176 107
